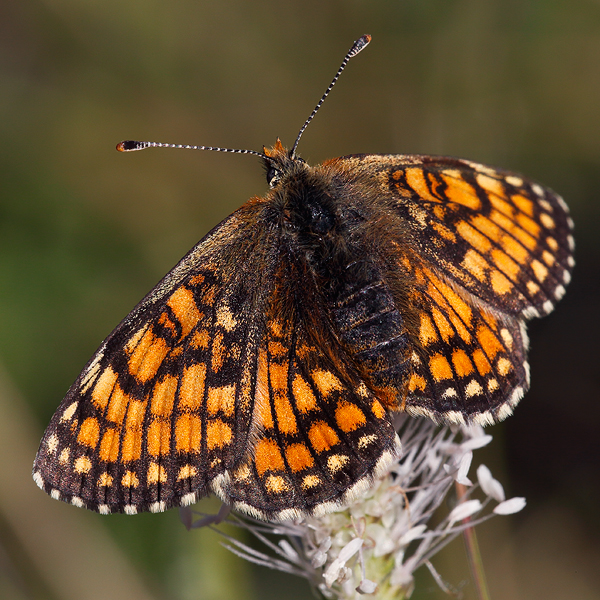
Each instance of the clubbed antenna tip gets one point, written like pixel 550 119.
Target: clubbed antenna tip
pixel 132 145
pixel 358 45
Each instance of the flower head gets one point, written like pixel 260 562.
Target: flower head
pixel 374 545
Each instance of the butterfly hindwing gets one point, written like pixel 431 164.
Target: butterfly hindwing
pixel 319 436
pixel 471 360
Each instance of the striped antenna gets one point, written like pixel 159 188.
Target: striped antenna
pixel 359 45
pixel 132 146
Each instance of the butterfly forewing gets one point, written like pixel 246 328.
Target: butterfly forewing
pixel 498 235
pixel 163 407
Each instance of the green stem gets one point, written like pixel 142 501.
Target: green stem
pixel 473 553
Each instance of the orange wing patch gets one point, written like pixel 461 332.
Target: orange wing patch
pixel 513 237
pixel 148 416
pixel 313 432
pixel 475 367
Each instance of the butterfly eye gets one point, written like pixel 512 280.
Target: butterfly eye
pixel 273 176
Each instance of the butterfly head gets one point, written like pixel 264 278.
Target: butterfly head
pixel 280 162
pixel 302 196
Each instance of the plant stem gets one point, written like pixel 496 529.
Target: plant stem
pixel 473 554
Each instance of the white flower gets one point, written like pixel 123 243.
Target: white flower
pixel 464 510
pixel 511 506
pixel 490 486
pixel 373 546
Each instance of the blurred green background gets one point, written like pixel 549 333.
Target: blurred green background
pixel 85 232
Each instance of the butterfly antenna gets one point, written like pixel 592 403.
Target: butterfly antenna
pixel 131 146
pixel 359 45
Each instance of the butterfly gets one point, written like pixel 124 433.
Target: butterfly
pixel 266 367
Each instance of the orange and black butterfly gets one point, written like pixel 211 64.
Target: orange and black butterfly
pixel 267 365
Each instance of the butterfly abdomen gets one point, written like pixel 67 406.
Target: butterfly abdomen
pixel 369 324
pixel 326 236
